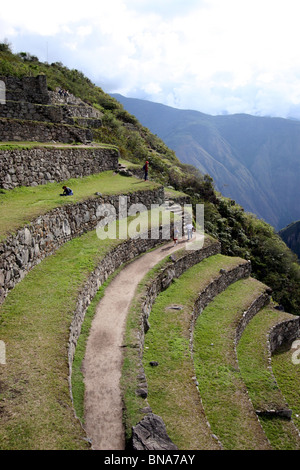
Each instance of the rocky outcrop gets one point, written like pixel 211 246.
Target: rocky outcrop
pixel 151 434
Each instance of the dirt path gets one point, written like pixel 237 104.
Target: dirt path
pixel 103 358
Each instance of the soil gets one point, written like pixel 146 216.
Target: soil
pixel 103 358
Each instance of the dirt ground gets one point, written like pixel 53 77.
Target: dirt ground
pixel 103 358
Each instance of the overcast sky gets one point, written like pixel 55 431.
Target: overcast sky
pixel 214 56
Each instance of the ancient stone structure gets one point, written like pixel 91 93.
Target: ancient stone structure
pixel 32 167
pixel 30 244
pixel 17 130
pixel 27 89
pixel 284 333
pixel 32 113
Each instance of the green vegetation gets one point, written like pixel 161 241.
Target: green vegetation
pixel 31 144
pixel 228 409
pixel 253 357
pixel 287 374
pixel 77 374
pixel 240 234
pixel 21 205
pixel 37 412
pixel 172 393
pixel 36 407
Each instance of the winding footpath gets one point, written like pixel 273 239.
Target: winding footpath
pixel 103 358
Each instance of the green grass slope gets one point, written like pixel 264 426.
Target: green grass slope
pixel 241 234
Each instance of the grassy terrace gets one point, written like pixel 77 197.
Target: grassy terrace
pixel 287 374
pixel 172 393
pixel 23 204
pixel 35 405
pixel 263 391
pixel 23 145
pixel 226 403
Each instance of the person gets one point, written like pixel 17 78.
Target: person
pixel 67 191
pixel 175 237
pixel 145 168
pixel 189 228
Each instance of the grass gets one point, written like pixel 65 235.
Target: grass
pixel 25 145
pixel 172 393
pixel 21 205
pixel 264 392
pixel 35 403
pixel 36 408
pixel 77 379
pixel 222 389
pixel 287 374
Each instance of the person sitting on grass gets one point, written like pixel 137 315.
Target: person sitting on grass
pixel 67 191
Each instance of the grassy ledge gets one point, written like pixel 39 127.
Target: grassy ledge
pixel 287 374
pixel 35 403
pixel 172 393
pixel 36 408
pixel 226 403
pixel 37 412
pixel 21 205
pixel 259 379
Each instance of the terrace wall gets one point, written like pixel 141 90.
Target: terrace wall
pixel 36 131
pixel 32 167
pixel 30 244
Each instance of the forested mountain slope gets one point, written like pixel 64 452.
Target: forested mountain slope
pixel 253 160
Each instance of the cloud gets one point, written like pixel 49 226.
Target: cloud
pixel 214 55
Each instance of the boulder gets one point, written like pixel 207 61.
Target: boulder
pixel 150 434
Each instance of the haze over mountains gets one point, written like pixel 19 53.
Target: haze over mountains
pixel 253 160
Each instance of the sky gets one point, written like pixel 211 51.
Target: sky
pixel 213 56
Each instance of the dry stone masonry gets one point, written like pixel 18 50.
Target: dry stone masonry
pixel 32 113
pixel 22 251
pixel 32 167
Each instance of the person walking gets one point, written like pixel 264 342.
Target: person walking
pixel 189 228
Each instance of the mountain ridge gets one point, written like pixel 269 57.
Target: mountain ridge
pixel 252 159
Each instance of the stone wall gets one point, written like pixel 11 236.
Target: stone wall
pixel 284 333
pixel 31 167
pixel 124 252
pixel 30 89
pixel 51 113
pixel 22 251
pixel 35 131
pixel 171 271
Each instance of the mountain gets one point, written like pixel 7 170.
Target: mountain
pixel 253 160
pixel 239 232
pixel 291 236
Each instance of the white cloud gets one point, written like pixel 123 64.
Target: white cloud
pixel 215 55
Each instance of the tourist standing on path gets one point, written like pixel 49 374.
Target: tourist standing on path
pixel 189 228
